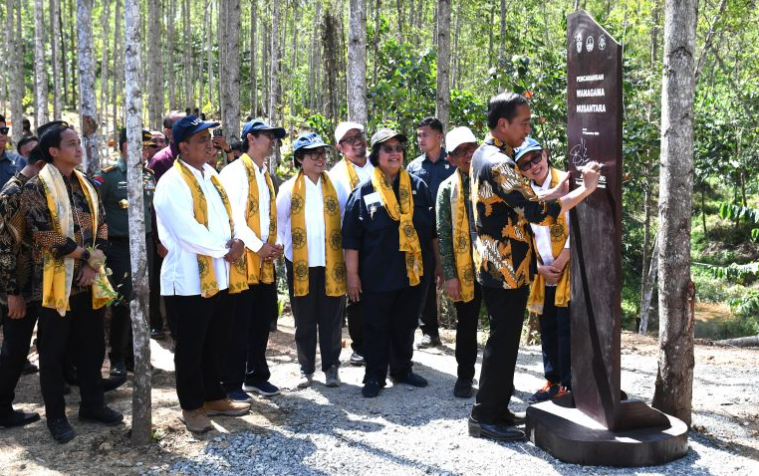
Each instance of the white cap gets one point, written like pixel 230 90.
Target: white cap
pixel 458 136
pixel 344 127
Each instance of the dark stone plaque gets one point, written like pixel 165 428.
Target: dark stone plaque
pixel 597 424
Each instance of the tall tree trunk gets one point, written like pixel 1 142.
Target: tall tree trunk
pixel 357 62
pixel 16 67
pixel 265 72
pixel 399 6
pixel 443 91
pixel 253 71
pixel 375 43
pixel 170 17
pixel 274 67
pixel 117 71
pixel 105 21
pixel 88 116
pixel 647 290
pixel 187 70
pixel 74 52
pixel 502 38
pixel 41 113
pixel 655 31
pixel 155 68
pixel 674 380
pixel 142 431
pixel 490 36
pixel 231 69
pixel 55 44
pixel 294 63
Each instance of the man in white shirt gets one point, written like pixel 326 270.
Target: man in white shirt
pixel 550 292
pixel 195 275
pixel 354 168
pixel 245 368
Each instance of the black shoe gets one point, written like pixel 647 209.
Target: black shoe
pixel 29 368
pixel 463 388
pixel 512 419
pixel 157 334
pixel 16 418
pixel 112 383
pixel 545 393
pixel 118 369
pixel 494 431
pixel 371 389
pixel 415 380
pixel 101 415
pixel 61 430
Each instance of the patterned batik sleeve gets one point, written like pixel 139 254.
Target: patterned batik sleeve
pixel 518 194
pixel 445 229
pixel 8 249
pixel 40 222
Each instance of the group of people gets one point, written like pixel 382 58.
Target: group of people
pixel 370 239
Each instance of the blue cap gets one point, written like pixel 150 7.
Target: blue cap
pixel 529 145
pixel 187 126
pixel 309 140
pixel 259 125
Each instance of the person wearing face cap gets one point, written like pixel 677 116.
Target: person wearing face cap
pixel 114 193
pixel 347 174
pixel 503 205
pixel 550 291
pixel 309 216
pixel 452 214
pixel 388 235
pixel 203 267
pixel 251 190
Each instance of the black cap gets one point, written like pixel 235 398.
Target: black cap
pixel 187 126
pixel 147 137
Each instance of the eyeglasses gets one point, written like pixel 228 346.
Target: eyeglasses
pixel 316 156
pixel 525 166
pixel 357 139
pixel 4 130
pixel 389 149
pixel 464 151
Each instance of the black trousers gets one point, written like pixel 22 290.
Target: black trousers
pixel 316 313
pixel 390 319
pixel 355 313
pixel 506 314
pixel 17 338
pixel 81 331
pixel 202 326
pixel 154 269
pixel 556 340
pixel 467 316
pixel 253 312
pixel 428 320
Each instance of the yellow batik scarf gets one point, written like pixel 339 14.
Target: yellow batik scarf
pixel 462 243
pixel 559 238
pixel 256 271
pixel 238 275
pixel 403 213
pixel 334 274
pixel 505 148
pixel 58 273
pixel 352 175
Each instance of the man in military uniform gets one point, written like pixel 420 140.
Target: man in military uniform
pixel 114 194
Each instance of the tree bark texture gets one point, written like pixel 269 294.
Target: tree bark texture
pixel 443 91
pixel 357 62
pixel 674 380
pixel 138 306
pixel 42 111
pixel 253 71
pixel 155 68
pixel 647 289
pixel 274 66
pixel 55 50
pixel 231 68
pixel 88 117
pixel 16 69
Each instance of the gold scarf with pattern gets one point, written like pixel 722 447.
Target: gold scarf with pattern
pixel 238 275
pixel 403 213
pixel 352 175
pixel 462 243
pixel 335 273
pixel 258 272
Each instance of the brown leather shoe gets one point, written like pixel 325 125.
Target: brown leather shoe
pixel 196 420
pixel 226 407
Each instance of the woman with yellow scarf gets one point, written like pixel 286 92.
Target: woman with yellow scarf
pixel 308 226
pixel 65 215
pixel 388 236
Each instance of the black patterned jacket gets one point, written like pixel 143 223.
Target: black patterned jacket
pixel 15 243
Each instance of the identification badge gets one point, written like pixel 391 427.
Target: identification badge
pixel 372 198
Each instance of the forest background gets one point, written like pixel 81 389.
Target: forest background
pixel 288 60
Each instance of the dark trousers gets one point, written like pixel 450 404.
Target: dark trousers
pixel 467 316
pixel 390 319
pixel 316 313
pixel 428 320
pixel 253 311
pixel 355 313
pixel 556 338
pixel 17 338
pixel 154 270
pixel 202 329
pixel 506 314
pixel 120 332
pixel 81 331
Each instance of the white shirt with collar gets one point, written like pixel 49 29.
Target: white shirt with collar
pixel 234 177
pixel 339 177
pixel 315 227
pixel 543 233
pixel 185 238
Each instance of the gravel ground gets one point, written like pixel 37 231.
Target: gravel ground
pixel 408 431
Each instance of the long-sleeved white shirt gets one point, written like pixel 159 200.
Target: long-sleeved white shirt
pixel 315 227
pixel 339 177
pixel 543 233
pixel 234 177
pixel 185 238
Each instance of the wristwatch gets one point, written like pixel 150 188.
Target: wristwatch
pixel 85 255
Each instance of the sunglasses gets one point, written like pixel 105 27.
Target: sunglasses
pixel 4 130
pixel 389 149
pixel 525 166
pixel 316 156
pixel 359 139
